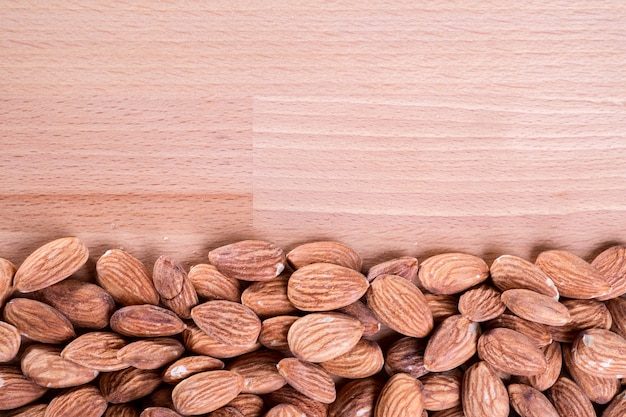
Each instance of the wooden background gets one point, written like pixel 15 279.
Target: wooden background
pixel 398 127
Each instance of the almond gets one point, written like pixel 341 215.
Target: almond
pixel 184 302
pixel 249 405
pixel 17 390
pixel 533 306
pixel 324 251
pixel 268 298
pixel 38 321
pixel 84 304
pixel 451 344
pixel 600 352
pixel 159 412
pixel 227 412
pixel 161 397
pixel 617 308
pixel 584 314
pixel 483 394
pixel 481 303
pixel 599 390
pixel 612 264
pixel 325 287
pixel 570 400
pixel 452 273
pixel 146 321
pixel 360 311
pixel 617 407
pixel 33 410
pixel 50 263
pixel 206 391
pixel 190 365
pixel 288 395
pixel 320 337
pixel 211 284
pixel 356 399
pixel 121 410
pixel 7 271
pixel 363 360
pixel 274 332
pixel 442 390
pixel 249 260
pixel 573 277
pixel 197 341
pixel 44 365
pixel 450 412
pixel 83 401
pixel 125 278
pixel 128 384
pixel 258 370
pixel 96 350
pixel 406 355
pixel 401 396
pixel 442 306
pixel 529 402
pixel 400 305
pixel 284 410
pixel 11 342
pixel 554 360
pixel 510 272
pixel 308 378
pixel 405 267
pixel 538 333
pixel 511 352
pixel 151 353
pixel 168 276
pixel 230 323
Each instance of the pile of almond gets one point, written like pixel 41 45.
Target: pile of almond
pixel 260 332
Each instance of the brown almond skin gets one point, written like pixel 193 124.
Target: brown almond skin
pixel 483 394
pixel 529 402
pixel 274 333
pixel 206 391
pixel 573 277
pixel 570 400
pixel 400 305
pixel 531 305
pixel 211 284
pixel 617 407
pixel 537 332
pixel 44 365
pixel 511 352
pixel 249 405
pixel 50 263
pixel 510 272
pixel 128 384
pixel 284 410
pixel 249 260
pixel 7 271
pixel 442 391
pixel 121 410
pixel 197 341
pixel 230 323
pixel 452 273
pixel 184 302
pixel 612 264
pixel 356 399
pixel 451 344
pixel 324 251
pixel 617 308
pixel 360 311
pixel 226 412
pixel 401 396
pixel 269 298
pixel 161 397
pixel 125 278
pixel 32 410
pixel 38 321
pixel 308 378
pixel 151 353
pixel 363 360
pixel 406 355
pixel 96 350
pixel 405 267
pixel 17 390
pixel 159 412
pixel 320 337
pixel 481 303
pixel 146 321
pixel 599 390
pixel 258 370
pixel 190 365
pixel 325 287
pixel 168 276
pixel 600 352
pixel 289 395
pixel 84 304
pixel 554 360
pixel 83 401
pixel 442 306
pixel 584 314
pixel 451 412
pixel 11 342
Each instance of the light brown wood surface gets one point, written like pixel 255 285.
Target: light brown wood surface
pixel 397 127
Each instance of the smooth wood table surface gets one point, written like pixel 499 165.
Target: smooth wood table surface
pixel 397 127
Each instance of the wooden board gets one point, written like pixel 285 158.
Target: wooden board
pixel 397 127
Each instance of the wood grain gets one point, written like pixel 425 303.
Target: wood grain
pixel 171 127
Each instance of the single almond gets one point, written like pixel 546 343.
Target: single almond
pixel 599 390
pixel 400 305
pixel 289 395
pixel 584 314
pixel 406 355
pixel 258 370
pixel 85 304
pixel 533 306
pixel 451 344
pixel 83 401
pixel 483 393
pixel 600 352
pixel 7 271
pixel 284 410
pixel 159 412
pixel 510 272
pixel 168 276
pixel 227 412
pixel 121 410
pixel 96 350
pixel 363 360
pixel 38 321
pixel 356 399
pixel 361 311
pixel 11 342
pixel 320 337
pixel 573 277
pixel 617 308
pixel 537 332
pixel 230 323
pixel 401 396
pixel 274 332
pixel 452 273
pixel 17 390
pixel 128 384
pixel 50 263
pixel 31 410
pixel 151 353
pixel 405 267
pixel 570 400
pixel 530 402
pixel 190 365
pixel 249 405
pixel 146 321
pixel 125 278
pixel 324 251
pixel 442 390
pixel 310 379
pixel 511 352
pixel 269 298
pixel 184 302
pixel 617 406
pixel 325 287
pixel 249 260
pixel 197 341
pixel 211 284
pixel 481 303
pixel 442 306
pixel 44 365
pixel 206 391
pixel 554 360
pixel 612 264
